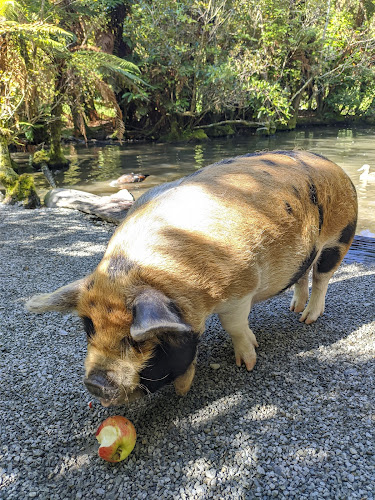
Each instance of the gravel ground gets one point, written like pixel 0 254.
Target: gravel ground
pixel 301 425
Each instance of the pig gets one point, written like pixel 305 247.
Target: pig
pixel 217 241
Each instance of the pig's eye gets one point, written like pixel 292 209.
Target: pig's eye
pixel 130 342
pixel 89 327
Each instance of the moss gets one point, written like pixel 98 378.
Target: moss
pixel 17 187
pixel 44 156
pixel 7 174
pixel 40 157
pixel 23 190
pixel 220 131
pixel 187 135
pixel 194 135
pixel 56 155
pixel 8 177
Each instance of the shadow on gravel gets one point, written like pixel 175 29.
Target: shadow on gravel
pixel 301 422
pixel 304 409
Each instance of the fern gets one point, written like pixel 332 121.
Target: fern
pixel 9 9
pixel 108 67
pixel 34 30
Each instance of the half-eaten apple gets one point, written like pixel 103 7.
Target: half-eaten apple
pixel 117 436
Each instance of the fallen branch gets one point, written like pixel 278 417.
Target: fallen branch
pixel 232 122
pixel 110 208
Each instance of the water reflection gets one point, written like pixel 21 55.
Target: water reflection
pixel 199 156
pixel 108 163
pixel 93 168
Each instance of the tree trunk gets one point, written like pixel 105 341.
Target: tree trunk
pixel 295 105
pixel 57 158
pixel 79 124
pixel 17 187
pixel 111 40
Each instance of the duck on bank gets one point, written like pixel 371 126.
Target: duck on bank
pixel 128 179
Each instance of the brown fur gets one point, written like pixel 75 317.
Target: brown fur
pixel 235 229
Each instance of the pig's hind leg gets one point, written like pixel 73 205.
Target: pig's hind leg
pixel 301 293
pixel 327 263
pixel 234 317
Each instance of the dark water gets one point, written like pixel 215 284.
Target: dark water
pixel 92 168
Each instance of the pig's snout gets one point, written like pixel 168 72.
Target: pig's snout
pixel 99 385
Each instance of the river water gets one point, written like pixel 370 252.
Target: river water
pixel 93 168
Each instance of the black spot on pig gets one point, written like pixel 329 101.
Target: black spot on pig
pixel 90 284
pixel 348 232
pixel 303 268
pixel 119 264
pixel 270 163
pixel 288 208
pixel 89 327
pixel 328 259
pixel 321 217
pixel 313 194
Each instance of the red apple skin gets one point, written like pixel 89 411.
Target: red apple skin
pixel 125 442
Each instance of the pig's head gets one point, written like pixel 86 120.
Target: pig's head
pixel 136 344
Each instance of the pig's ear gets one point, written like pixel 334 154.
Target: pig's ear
pixel 154 313
pixel 64 299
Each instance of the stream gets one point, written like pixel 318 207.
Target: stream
pixel 92 168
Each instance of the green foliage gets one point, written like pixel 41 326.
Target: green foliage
pixel 34 53
pixel 191 62
pixel 257 60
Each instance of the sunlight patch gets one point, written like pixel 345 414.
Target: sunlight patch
pixel 80 249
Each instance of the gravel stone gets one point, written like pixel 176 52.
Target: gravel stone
pixel 301 425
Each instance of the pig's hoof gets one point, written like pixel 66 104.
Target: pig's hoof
pixel 310 315
pixel 248 360
pixel 244 350
pixel 298 302
pixel 183 383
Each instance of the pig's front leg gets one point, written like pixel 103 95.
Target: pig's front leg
pixel 183 383
pixel 234 319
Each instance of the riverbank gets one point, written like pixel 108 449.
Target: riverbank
pixel 103 134
pixel 301 425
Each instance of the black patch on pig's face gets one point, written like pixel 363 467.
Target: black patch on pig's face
pixel 348 232
pixel 89 327
pixel 170 360
pixel 119 264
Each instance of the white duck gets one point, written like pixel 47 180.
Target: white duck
pixel 366 176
